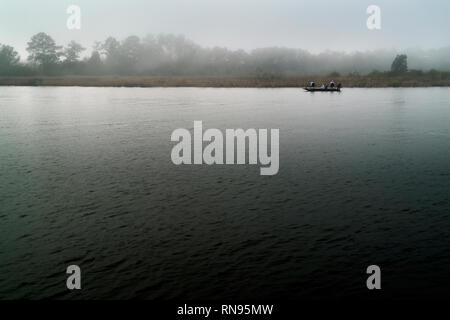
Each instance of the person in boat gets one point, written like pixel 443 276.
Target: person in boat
pixel 312 84
pixel 332 84
pixel 339 86
pixel 322 87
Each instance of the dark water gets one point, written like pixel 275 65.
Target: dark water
pixel 86 179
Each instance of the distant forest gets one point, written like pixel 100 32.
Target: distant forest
pixel 172 55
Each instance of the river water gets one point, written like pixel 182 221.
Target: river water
pixel 86 178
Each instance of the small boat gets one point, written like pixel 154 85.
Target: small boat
pixel 314 89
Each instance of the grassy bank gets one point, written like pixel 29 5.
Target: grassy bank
pixel 368 81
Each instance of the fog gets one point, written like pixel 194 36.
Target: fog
pixel 250 37
pixel 315 26
pixel 168 54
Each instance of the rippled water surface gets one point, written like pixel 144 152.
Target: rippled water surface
pixel 86 178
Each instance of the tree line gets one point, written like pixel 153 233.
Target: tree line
pixel 173 55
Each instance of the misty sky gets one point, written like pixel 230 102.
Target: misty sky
pixel 313 25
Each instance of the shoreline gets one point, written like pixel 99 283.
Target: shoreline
pixel 224 82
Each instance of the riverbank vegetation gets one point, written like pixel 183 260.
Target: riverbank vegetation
pixel 375 80
pixel 168 60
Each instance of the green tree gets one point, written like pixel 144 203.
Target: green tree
pixel 9 58
pixel 130 54
pixel 94 65
pixel 110 48
pixel 73 51
pixel 43 52
pixel 400 64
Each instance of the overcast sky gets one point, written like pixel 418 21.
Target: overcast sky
pixel 313 25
